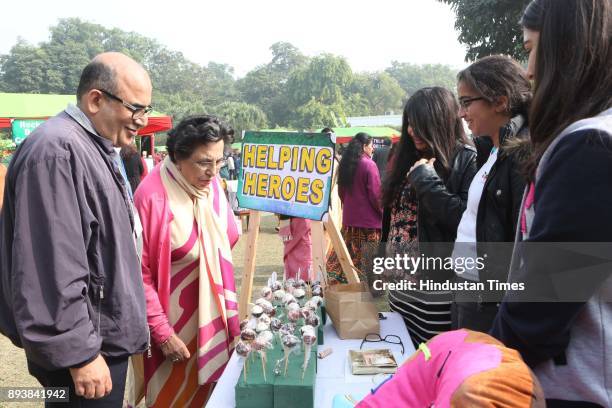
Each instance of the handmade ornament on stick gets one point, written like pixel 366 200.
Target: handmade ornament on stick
pixel 256 311
pixel 308 338
pixel 266 293
pixel 259 345
pixel 243 350
pixel 289 344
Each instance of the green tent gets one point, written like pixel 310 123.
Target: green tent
pixel 37 106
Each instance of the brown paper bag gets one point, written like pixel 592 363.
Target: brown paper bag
pixel 352 310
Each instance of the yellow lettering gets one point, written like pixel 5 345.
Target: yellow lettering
pixel 272 165
pixel 274 186
pixel 249 156
pixel 284 156
pixel 302 190
pixel 316 189
pixel 260 160
pixel 294 158
pixel 288 188
pixel 323 161
pixel 307 159
pixel 250 179
pixel 262 185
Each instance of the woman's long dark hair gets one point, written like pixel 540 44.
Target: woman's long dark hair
pixel 433 114
pixel 350 158
pixel 573 78
pixel 499 75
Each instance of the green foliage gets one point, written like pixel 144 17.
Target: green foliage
pixel 241 116
pixel 290 90
pixel 314 114
pixel 380 90
pixel 414 77
pixel 489 27
pixel 265 86
pixel 179 105
pixel 325 79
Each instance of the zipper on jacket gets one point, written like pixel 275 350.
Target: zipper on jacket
pixel 149 355
pixel 100 297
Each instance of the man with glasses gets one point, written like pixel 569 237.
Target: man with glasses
pixel 72 292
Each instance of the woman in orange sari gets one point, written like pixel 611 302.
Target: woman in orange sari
pixel 188 232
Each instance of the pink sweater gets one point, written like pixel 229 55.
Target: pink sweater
pixel 151 201
pixel 361 203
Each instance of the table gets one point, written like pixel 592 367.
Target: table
pixel 333 374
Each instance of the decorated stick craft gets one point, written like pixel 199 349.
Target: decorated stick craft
pixel 243 350
pixel 293 315
pixel 259 345
pixel 313 320
pixel 275 325
pixel 308 338
pixel 256 311
pixel 289 344
pixel 299 294
pixel 266 293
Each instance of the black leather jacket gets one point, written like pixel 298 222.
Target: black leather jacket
pixel 502 195
pixel 441 203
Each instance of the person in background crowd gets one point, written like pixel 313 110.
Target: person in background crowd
pixel 381 156
pixel 297 247
pixel 134 168
pixel 425 195
pixel 230 166
pixel 189 230
pixel 76 302
pixel 359 190
pixel 238 164
pixel 494 95
pixel 2 179
pixel 568 342
pixel 224 172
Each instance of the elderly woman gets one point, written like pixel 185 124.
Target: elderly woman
pixel 188 231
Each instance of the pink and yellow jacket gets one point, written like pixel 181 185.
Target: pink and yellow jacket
pixel 151 201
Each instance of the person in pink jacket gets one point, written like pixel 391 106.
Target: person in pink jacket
pixel 297 247
pixel 188 233
pixel 359 189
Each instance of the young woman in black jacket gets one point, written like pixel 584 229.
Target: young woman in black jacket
pixel 560 322
pixel 425 194
pixel 494 95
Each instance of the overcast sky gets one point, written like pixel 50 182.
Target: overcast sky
pixel 370 34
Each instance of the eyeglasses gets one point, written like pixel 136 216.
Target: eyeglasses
pixel 207 164
pixel 466 102
pixel 375 337
pixel 138 111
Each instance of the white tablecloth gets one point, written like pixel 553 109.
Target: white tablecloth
pixel 333 375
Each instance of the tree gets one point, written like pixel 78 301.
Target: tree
pixel 241 116
pixel 314 114
pixel 489 26
pixel 414 77
pixel 24 69
pixel 285 58
pixel 179 105
pixel 265 86
pixel 325 79
pixel 381 91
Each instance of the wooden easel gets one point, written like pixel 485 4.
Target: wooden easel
pixel 319 246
